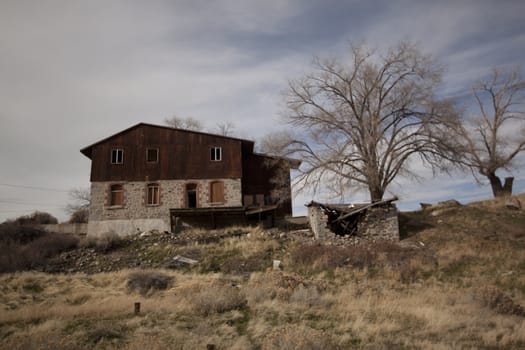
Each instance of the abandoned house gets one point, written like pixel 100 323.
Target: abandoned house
pixel 151 177
pixel 373 221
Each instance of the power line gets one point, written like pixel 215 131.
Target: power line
pixel 35 188
pixel 29 203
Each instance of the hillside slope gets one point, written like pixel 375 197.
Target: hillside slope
pixel 456 280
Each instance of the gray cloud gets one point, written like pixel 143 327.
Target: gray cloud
pixel 74 72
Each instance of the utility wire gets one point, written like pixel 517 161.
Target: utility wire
pixel 34 188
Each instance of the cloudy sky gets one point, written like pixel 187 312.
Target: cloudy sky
pixel 73 72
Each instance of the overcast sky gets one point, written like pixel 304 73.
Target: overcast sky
pixel 74 72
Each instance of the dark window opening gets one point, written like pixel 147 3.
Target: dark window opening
pixel 216 154
pixel 117 156
pixel 152 155
pixel 191 195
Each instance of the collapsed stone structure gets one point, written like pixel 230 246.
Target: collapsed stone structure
pixel 374 221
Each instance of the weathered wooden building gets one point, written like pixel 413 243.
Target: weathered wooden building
pixel 152 177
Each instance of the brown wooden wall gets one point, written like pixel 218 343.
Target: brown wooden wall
pixel 182 155
pixel 258 172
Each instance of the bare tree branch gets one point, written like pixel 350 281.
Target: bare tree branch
pixel 364 120
pixel 486 144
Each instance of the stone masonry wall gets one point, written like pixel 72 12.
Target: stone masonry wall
pixel 172 195
pixel 317 219
pixel 380 223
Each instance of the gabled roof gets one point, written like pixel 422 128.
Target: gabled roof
pixel 87 150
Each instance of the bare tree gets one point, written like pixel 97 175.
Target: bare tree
pixel 79 207
pixel 365 119
pixel 224 129
pixel 188 123
pixel 491 140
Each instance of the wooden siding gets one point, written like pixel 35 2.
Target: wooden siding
pixel 182 155
pixel 258 173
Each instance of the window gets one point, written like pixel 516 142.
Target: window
pixel 152 155
pixel 116 197
pixel 153 195
pixel 217 192
pixel 117 156
pixel 216 154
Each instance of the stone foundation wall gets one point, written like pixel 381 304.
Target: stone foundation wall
pixel 135 215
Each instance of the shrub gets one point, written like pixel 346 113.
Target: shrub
pixel 12 232
pixel 79 216
pixel 308 296
pixel 217 299
pixel 105 242
pixel 240 265
pixel 23 247
pixel 36 218
pixel 297 337
pixel 319 257
pixel 148 281
pixel 501 303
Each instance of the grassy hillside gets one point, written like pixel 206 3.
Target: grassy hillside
pixel 456 280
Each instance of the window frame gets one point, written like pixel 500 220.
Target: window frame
pixel 147 155
pixel 216 154
pixel 155 187
pixel 115 160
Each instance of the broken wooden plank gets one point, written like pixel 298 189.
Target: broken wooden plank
pixel 356 211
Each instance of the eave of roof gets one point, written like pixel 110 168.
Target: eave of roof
pixel 87 150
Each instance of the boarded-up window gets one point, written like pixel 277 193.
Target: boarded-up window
pixel 153 194
pixel 217 192
pixel 116 195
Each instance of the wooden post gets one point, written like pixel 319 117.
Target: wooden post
pixel 137 308
pixel 210 347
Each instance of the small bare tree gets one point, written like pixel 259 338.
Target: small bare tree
pixel 364 120
pixel 78 209
pixel 491 140
pixel 188 123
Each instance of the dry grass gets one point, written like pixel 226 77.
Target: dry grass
pixel 458 283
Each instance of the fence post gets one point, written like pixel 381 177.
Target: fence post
pixel 137 308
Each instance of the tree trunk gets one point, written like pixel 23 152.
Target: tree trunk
pixel 376 194
pixel 499 189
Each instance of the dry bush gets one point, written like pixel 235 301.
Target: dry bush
pixel 23 248
pixel 217 298
pixel 308 296
pixel 320 257
pixel 272 285
pixel 105 242
pixel 498 301
pixel 148 281
pixel 244 265
pixel 297 337
pixel 410 263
